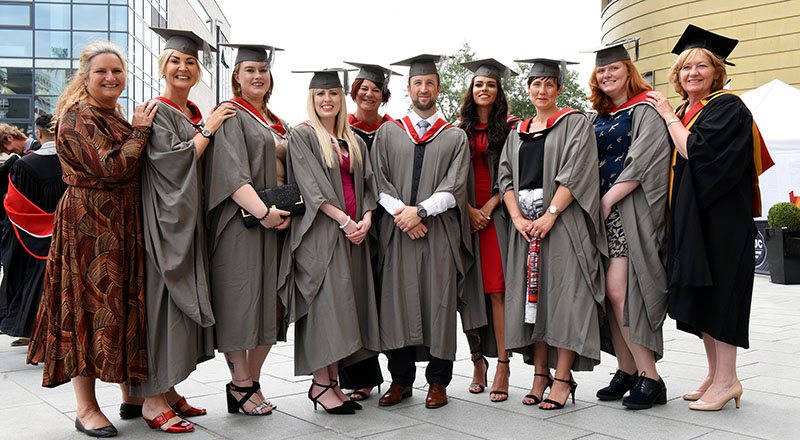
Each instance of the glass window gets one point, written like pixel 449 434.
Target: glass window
pixel 16 43
pixel 120 39
pixel 82 39
pixel 94 1
pixel 90 17
pixel 46 103
pixel 15 15
pixel 118 18
pixel 15 108
pixel 52 44
pixel 119 2
pixel 16 81
pixel 50 81
pixel 52 16
pixel 50 63
pixel 202 14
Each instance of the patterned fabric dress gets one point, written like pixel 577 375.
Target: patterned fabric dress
pixel 613 141
pixel 91 319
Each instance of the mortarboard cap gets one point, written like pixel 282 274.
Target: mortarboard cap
pixel 424 64
pixel 694 37
pixel 375 73
pixel 613 52
pixel 183 41
pixel 546 67
pixel 327 78
pixel 489 67
pixel 254 52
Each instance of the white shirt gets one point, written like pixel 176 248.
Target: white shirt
pixel 438 202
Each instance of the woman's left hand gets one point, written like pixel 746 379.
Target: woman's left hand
pixel 661 104
pixel 362 228
pixel 542 225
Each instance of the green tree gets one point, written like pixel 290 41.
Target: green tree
pixel 519 101
pixel 455 81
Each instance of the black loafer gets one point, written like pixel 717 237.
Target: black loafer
pixel 621 383
pixel 646 393
pixel 129 411
pixel 105 431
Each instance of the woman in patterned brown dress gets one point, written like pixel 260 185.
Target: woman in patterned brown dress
pixel 91 320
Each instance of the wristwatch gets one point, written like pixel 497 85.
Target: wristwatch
pixel 421 212
pixel 552 210
pixel 206 133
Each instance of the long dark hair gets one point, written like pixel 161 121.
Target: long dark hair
pixel 497 128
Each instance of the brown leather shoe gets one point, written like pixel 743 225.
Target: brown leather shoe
pixel 395 395
pixel 437 396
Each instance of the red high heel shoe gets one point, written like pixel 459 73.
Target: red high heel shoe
pixel 190 412
pixel 158 422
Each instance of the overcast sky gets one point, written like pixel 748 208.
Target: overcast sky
pixel 319 33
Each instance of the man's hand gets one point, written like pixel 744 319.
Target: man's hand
pixel 406 218
pixel 418 231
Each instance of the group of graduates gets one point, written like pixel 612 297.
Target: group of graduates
pixel 549 236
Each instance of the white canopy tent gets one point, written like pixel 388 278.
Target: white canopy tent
pixel 773 106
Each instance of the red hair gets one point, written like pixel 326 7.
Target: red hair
pixel 357 85
pixel 633 86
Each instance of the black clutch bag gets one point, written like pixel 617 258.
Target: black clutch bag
pixel 286 197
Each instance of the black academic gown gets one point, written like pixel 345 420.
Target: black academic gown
pixel 711 237
pixel 38 179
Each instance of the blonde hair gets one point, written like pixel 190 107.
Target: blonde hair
pixel 716 63
pixel 164 57
pixel 329 147
pixel 8 129
pixel 76 89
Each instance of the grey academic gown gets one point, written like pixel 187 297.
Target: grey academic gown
pixel 571 289
pixel 179 316
pixel 643 214
pixel 326 283
pixel 243 263
pixel 423 282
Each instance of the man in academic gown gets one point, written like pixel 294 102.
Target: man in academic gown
pixel 421 164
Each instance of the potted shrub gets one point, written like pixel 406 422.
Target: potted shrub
pixel 783 243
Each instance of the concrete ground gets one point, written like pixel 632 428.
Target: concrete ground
pixel 770 407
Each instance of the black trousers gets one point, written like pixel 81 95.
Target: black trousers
pixel 401 366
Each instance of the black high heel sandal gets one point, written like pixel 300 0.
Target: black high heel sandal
pixel 234 404
pixel 338 410
pixel 537 399
pixel 351 403
pixel 257 386
pixel 485 376
pixel 557 405
pixel 503 394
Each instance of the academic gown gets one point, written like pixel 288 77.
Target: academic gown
pixel 711 236
pixel 243 263
pixel 35 187
pixel 571 289
pixel 643 214
pixel 424 280
pixel 179 315
pixel 367 373
pixel 326 284
pixel 483 338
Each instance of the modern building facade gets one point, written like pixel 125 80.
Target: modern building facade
pixel 41 42
pixel 768 34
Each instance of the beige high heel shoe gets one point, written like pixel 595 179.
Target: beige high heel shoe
pixel 693 395
pixel 734 392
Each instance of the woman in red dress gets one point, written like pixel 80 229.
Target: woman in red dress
pixel 484 116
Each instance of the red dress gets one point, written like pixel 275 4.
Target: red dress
pixel 491 264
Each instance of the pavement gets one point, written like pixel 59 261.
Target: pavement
pixel 770 405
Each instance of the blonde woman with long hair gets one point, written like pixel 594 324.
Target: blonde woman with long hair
pixel 326 281
pixel 91 320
